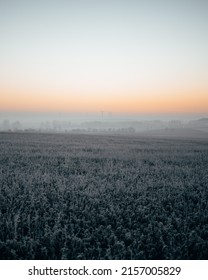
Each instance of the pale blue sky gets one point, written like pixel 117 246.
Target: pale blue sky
pixel 103 46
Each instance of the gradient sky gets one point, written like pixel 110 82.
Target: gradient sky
pixel 90 55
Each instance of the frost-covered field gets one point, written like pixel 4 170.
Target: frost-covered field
pixel 103 197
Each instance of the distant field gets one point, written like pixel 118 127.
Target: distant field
pixel 103 197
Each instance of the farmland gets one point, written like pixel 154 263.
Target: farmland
pixel 68 196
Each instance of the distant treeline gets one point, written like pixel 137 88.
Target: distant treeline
pixel 102 126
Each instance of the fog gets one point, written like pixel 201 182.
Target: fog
pixel 105 122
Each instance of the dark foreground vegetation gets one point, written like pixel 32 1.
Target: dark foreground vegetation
pixel 102 197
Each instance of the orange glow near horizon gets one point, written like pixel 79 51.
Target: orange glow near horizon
pixel 125 57
pixel 177 101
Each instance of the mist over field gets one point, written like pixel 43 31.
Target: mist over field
pixel 105 123
pixel 103 130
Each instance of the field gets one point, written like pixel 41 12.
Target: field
pixel 103 197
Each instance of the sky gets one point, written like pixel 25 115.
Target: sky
pixel 120 56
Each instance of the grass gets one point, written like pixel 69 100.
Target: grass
pixel 102 197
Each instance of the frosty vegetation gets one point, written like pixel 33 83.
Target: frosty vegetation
pixel 102 197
